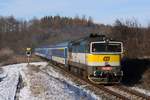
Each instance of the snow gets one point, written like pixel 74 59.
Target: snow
pixel 39 85
pixel 52 87
pixel 9 83
pixel 9 76
pixel 42 84
pixel 80 90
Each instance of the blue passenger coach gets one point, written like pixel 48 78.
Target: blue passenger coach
pixel 57 53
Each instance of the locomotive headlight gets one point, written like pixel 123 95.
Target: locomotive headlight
pixel 115 74
pixel 94 73
pixel 107 40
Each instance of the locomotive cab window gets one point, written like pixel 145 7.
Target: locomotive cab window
pixel 114 47
pixel 98 47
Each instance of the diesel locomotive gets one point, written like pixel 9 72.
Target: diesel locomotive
pixel 96 58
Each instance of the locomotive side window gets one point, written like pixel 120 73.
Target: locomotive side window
pixel 75 48
pixel 78 47
pixel 82 47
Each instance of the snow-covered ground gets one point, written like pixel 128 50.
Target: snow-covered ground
pixel 8 83
pixel 38 85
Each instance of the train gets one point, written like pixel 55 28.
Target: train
pixel 95 57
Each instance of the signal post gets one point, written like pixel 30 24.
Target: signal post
pixel 28 54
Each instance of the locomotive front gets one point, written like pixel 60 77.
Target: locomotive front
pixel 104 61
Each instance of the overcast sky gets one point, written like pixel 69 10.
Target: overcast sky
pixel 102 11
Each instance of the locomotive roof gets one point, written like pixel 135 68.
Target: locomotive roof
pixel 64 44
pixel 91 38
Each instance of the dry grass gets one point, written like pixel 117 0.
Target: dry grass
pixel 14 59
pixel 37 88
pixel 5 54
pixel 34 68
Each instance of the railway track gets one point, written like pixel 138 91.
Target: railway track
pixel 118 92
pixel 113 93
pixel 129 93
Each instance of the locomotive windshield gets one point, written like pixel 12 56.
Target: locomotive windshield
pixel 106 47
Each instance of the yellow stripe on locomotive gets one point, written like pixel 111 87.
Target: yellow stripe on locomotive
pixel 103 59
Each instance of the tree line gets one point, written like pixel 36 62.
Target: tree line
pixel 18 34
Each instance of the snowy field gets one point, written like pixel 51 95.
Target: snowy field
pixel 38 83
